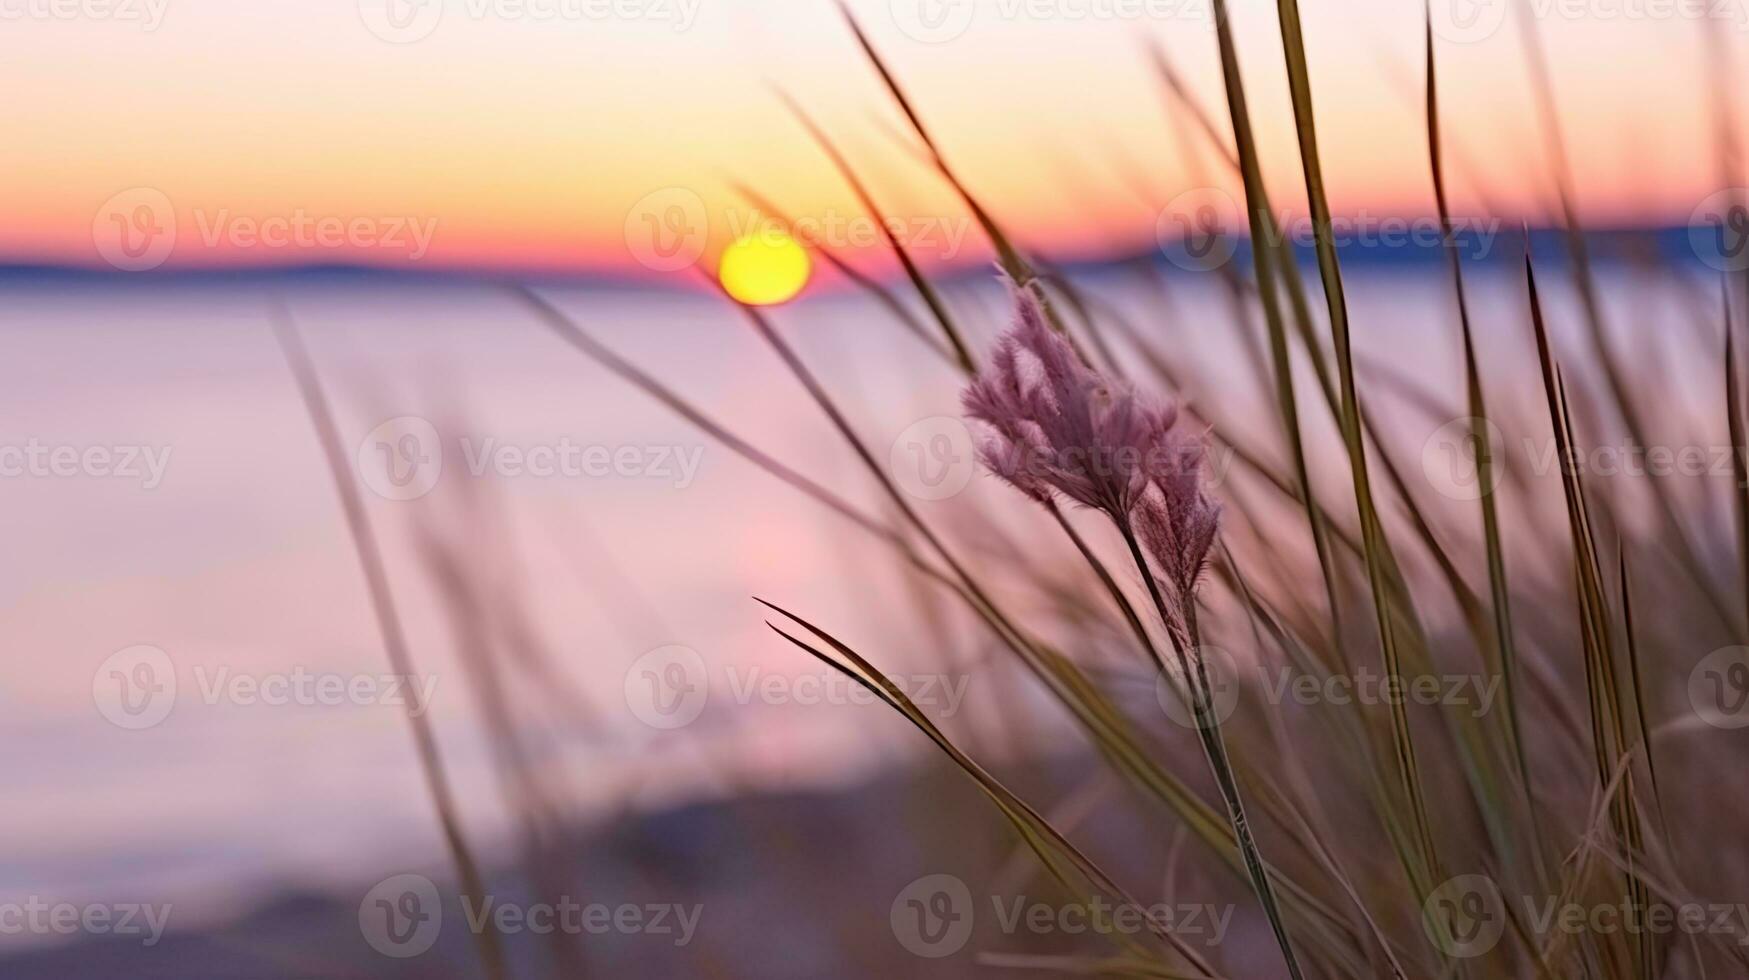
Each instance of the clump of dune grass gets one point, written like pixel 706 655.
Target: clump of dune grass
pixel 1586 602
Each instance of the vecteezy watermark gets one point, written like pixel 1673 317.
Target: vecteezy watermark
pixel 667 230
pixel 1718 688
pixel 934 916
pixel 137 687
pixel 1476 692
pixel 1471 21
pixel 938 236
pixel 135 230
pixel 149 14
pixel 940 21
pixel 302 687
pixel 407 236
pixel 933 458
pixel 1213 675
pixel 943 693
pixel 407 21
pixel 675 923
pixel 1284 685
pixel 1199 231
pixel 37 460
pixel 138 229
pixel 1690 460
pixel 1451 459
pixel 670 686
pixel 567 459
pixel 402 917
pixel 1718 230
pixel 402 459
pixel 128 920
pixel 667 687
pixel 1466 916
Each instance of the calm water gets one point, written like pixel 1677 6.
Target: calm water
pixel 223 546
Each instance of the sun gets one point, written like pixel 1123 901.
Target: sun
pixel 764 268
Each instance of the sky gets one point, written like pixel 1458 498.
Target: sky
pixel 613 136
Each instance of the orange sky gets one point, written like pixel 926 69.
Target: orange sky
pixel 532 133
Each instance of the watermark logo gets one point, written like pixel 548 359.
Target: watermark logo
pixel 304 231
pixel 39 917
pixel 401 459
pixel 574 918
pixel 1098 916
pixel 1196 230
pixel 149 14
pixel 407 21
pixel 38 460
pixel 567 458
pixel 941 694
pixel 933 916
pixel 1473 21
pixel 940 21
pixel 1452 458
pixel 401 21
pixel 135 687
pixel 667 229
pixel 401 916
pixel 1200 230
pixel 1479 693
pixel 939 236
pixel 1466 916
pixel 1172 689
pixel 933 459
pixel 305 688
pixel 1718 230
pixel 1467 21
pixel 668 687
pixel 135 231
pixel 932 21
pixel 1718 688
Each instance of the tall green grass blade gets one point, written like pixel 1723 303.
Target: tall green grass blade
pixel 394 635
pixel 1504 648
pixel 863 280
pixel 1609 737
pixel 1007 254
pixel 1208 729
pixel 1033 826
pixel 1262 223
pixel 1381 566
pixel 1739 447
pixel 913 272
pixel 1622 394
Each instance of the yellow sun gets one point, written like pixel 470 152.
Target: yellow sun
pixel 764 268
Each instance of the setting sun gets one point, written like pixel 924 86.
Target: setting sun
pixel 764 269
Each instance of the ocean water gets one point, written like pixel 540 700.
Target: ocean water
pixel 195 706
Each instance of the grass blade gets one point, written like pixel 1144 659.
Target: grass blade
pixel 388 619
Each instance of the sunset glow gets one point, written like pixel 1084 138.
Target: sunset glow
pixel 467 136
